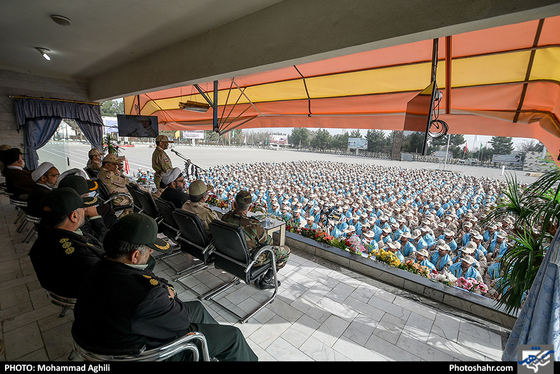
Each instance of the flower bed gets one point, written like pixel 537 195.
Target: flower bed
pixel 409 275
pixel 355 246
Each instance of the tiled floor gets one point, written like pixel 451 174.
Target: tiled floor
pixel 322 313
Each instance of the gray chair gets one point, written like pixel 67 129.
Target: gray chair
pixel 232 255
pixel 193 241
pixel 195 342
pixel 33 229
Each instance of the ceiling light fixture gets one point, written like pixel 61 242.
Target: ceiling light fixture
pixel 43 52
pixel 61 20
pixel 194 106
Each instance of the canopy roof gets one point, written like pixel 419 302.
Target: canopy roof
pixel 504 81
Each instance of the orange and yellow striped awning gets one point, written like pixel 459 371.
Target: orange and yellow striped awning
pixel 501 81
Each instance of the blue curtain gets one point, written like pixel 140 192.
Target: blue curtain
pixel 37 133
pixel 39 119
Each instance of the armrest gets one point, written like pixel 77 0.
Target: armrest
pixel 266 248
pixel 179 345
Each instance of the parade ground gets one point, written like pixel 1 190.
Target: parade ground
pixel 74 155
pixel 323 312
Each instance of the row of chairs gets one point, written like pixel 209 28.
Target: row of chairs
pixel 227 250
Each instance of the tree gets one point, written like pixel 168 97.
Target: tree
pixel 501 145
pixel 355 134
pixel 377 141
pixel 111 108
pixel 321 140
pixel 300 137
pixel 340 141
pixel 413 142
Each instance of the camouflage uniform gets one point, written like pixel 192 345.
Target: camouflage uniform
pixel 115 184
pixel 257 238
pixel 205 214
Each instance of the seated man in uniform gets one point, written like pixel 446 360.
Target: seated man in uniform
pixel 62 254
pixel 174 192
pixel 46 178
pixel 114 181
pixel 94 162
pixel 256 236
pixel 198 193
pixel 121 304
pixel 18 179
pixel 94 222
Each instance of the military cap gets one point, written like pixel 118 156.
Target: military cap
pixel 79 184
pixel 94 152
pixel 163 138
pixel 243 197
pixel 136 228
pixel 112 158
pixel 65 200
pixel 197 188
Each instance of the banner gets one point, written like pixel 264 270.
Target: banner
pixel 193 134
pixel 510 159
pixel 357 143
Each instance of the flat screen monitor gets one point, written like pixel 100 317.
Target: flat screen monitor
pixel 137 126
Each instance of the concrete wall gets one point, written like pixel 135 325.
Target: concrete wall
pixel 21 84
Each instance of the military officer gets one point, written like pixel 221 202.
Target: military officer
pixel 122 304
pixel 256 236
pixel 114 181
pixel 160 160
pixel 94 161
pixel 62 255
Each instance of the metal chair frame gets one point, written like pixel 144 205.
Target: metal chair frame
pixel 66 303
pixel 193 341
pixel 248 268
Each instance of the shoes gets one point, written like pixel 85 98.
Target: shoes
pixel 267 283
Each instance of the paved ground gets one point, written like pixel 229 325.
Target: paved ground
pixel 322 313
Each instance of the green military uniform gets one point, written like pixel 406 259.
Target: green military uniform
pixel 160 161
pixel 115 184
pixel 256 238
pixel 205 214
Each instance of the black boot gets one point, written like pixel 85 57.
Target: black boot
pixel 267 281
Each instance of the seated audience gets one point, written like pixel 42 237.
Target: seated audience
pixel 122 304
pixel 94 161
pixel 93 223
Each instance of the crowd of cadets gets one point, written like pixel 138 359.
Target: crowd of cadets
pixel 431 216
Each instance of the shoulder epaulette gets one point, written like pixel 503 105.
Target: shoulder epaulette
pixel 148 280
pixel 67 246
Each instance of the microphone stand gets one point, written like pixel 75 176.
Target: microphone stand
pixel 187 161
